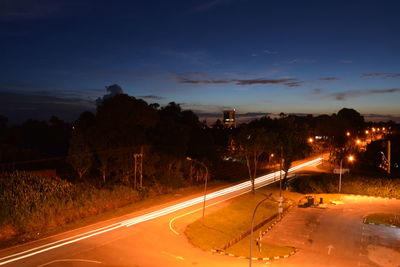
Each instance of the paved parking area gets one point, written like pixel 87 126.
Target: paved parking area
pixel 337 236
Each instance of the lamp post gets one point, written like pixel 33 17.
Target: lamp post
pixel 205 183
pixel 350 158
pixel 252 226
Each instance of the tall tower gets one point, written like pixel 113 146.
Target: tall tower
pixel 229 120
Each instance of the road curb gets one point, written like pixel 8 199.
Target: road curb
pixel 222 252
pixel 213 251
pixel 375 197
pixel 379 224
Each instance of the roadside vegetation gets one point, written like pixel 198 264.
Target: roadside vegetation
pixel 384 219
pixel 33 206
pixel 351 184
pixel 129 151
pixel 231 221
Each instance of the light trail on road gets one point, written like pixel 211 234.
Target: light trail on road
pixel 263 180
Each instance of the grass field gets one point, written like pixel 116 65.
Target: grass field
pixel 234 219
pixel 383 218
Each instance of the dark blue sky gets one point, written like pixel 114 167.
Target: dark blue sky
pixel 259 57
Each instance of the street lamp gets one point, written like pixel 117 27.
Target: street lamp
pixel 348 134
pixel 350 158
pixel 252 227
pixel 205 182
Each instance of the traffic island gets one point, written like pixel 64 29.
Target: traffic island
pixel 226 231
pixel 391 220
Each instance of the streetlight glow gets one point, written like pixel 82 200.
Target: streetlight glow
pixel 348 133
pixel 310 140
pixel 358 141
pixel 351 158
pixel 366 131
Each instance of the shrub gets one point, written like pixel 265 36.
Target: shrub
pixel 31 203
pixel 328 183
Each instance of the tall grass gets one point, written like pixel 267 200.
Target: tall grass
pixel 31 203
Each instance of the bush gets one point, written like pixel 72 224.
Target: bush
pixel 31 203
pixel 359 185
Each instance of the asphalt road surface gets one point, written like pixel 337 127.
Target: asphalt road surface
pixel 154 237
pixel 151 237
pixel 337 236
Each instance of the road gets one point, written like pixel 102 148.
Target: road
pixel 151 237
pixel 337 236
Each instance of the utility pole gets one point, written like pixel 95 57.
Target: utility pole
pixel 280 173
pixel 388 169
pixel 138 168
pixel 340 175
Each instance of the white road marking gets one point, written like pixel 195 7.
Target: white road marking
pixel 269 178
pixel 68 260
pixel 199 209
pixel 56 242
pixel 172 255
pixel 330 247
pixel 59 245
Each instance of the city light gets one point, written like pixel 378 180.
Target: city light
pixel 348 133
pixel 366 131
pixel 351 158
pixel 310 140
pixel 358 141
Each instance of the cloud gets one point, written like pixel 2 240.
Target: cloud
pixel 346 61
pixel 112 90
pixel 357 93
pixel 199 78
pixel 204 81
pixel 293 84
pixel 19 106
pixel 287 81
pixel 154 97
pixel 269 52
pixel 381 75
pixel 381 117
pixel 19 85
pixel 317 91
pixel 205 78
pixel 329 79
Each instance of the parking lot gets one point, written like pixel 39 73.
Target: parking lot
pixel 337 236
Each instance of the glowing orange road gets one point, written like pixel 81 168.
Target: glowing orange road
pixel 263 180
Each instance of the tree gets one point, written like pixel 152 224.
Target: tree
pixel 253 143
pixel 122 128
pixel 80 155
pixel 293 142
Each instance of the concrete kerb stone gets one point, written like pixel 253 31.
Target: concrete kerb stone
pixel 369 196
pixel 222 252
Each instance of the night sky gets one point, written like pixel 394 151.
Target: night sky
pixel 260 57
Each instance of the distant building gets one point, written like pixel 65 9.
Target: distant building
pixel 229 120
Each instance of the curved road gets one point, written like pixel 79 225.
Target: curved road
pixel 144 238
